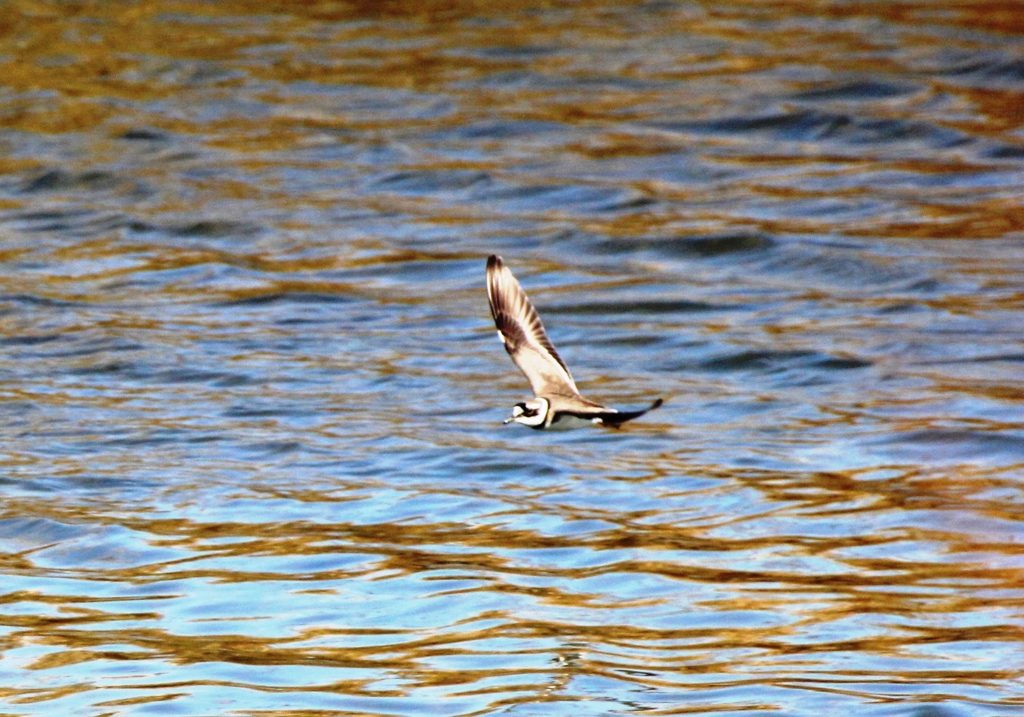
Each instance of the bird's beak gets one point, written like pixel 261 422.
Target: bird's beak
pixel 508 420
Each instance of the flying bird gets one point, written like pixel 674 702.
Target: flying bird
pixel 557 402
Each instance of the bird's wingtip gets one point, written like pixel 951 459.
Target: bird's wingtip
pixel 656 404
pixel 493 261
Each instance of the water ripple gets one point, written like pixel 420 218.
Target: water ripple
pixel 251 396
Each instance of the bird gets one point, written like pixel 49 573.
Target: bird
pixel 557 402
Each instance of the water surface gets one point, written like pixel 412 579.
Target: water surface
pixel 251 398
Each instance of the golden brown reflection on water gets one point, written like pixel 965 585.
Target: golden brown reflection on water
pixel 252 458
pixel 860 589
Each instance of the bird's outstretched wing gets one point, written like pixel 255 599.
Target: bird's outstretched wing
pixel 521 331
pixel 611 417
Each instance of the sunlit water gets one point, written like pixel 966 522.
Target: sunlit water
pixel 252 457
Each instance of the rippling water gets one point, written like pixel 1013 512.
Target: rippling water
pixel 251 397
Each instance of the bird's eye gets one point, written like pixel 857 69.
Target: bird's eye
pixel 530 412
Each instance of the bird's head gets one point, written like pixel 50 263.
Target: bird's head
pixel 530 413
